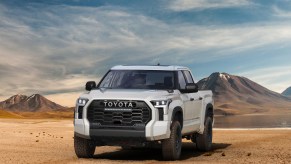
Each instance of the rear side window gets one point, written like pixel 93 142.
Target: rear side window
pixel 182 82
pixel 188 77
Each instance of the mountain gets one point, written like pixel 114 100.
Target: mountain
pixel 239 95
pixel 287 92
pixel 33 103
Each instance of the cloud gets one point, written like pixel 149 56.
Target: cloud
pixel 185 5
pixel 281 13
pixel 276 78
pixel 61 47
pixel 66 99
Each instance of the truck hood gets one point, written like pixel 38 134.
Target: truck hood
pixel 133 94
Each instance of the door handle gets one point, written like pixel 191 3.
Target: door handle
pixel 191 99
pixel 200 98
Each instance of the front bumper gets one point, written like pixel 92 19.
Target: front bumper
pixel 158 130
pixel 97 133
pixel 154 129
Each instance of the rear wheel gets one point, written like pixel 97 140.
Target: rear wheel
pixel 171 147
pixel 204 141
pixel 84 148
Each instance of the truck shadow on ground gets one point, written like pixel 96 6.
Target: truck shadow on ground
pixel 188 151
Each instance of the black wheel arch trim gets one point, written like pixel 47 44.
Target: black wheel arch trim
pixel 209 106
pixel 176 110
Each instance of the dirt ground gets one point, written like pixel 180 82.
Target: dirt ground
pixel 51 141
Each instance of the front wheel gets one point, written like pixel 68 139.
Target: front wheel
pixel 204 141
pixel 84 148
pixel 171 147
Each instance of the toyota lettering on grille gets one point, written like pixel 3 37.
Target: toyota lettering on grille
pixel 118 104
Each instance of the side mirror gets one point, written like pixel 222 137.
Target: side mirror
pixel 191 88
pixel 90 85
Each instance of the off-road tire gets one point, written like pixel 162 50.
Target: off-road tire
pixel 84 148
pixel 204 141
pixel 171 148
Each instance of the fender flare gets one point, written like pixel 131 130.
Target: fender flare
pixel 176 110
pixel 209 106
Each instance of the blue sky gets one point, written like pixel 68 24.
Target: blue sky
pixel 54 47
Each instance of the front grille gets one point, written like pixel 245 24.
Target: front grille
pixel 139 114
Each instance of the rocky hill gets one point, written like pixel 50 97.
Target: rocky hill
pixel 33 103
pixel 287 92
pixel 239 95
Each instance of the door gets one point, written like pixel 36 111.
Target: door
pixel 195 99
pixel 186 97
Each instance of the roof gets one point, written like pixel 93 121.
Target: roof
pixel 149 67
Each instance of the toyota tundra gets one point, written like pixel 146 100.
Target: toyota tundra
pixel 143 106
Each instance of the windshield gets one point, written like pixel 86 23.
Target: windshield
pixel 138 79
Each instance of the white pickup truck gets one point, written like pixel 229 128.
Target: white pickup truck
pixel 143 106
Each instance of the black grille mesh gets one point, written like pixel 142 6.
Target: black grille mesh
pixel 139 115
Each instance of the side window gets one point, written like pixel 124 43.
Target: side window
pixel 188 77
pixel 182 82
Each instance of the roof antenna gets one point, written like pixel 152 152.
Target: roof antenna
pixel 158 64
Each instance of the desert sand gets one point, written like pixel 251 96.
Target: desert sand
pixel 51 141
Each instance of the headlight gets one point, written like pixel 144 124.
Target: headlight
pixel 161 102
pixel 82 101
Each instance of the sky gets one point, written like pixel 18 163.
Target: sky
pixel 53 47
